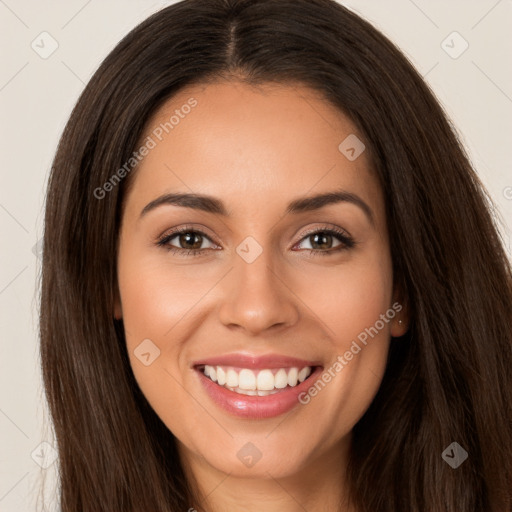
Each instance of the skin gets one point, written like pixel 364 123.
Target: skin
pixel 257 149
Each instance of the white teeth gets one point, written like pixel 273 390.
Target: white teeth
pixel 221 376
pixel 265 380
pixel 304 373
pixel 257 382
pixel 266 393
pixel 232 379
pixel 252 392
pixel 292 377
pixel 246 379
pixel 281 379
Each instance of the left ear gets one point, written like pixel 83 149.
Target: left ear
pixel 401 320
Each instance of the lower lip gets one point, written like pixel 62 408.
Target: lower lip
pixel 256 407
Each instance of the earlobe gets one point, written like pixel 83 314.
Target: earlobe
pixel 399 327
pixel 400 322
pixel 118 314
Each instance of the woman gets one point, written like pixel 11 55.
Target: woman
pixel 271 277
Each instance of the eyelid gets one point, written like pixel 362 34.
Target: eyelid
pixel 322 228
pixel 202 230
pixel 344 237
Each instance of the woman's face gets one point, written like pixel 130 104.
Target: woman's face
pixel 279 281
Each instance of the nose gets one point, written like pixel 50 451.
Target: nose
pixel 257 298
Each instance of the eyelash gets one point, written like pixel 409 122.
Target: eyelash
pixel 347 242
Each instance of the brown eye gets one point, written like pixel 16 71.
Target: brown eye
pixel 186 240
pixel 190 240
pixel 321 241
pixel 326 241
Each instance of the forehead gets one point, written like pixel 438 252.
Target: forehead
pixel 252 146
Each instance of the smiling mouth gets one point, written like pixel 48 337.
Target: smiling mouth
pixel 260 382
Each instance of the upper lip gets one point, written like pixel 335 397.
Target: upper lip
pixel 256 362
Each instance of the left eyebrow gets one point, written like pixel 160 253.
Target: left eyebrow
pixel 211 204
pixel 306 204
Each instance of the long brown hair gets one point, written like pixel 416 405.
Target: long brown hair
pixel 447 380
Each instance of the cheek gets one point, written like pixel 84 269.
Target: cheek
pixel 354 305
pixel 350 298
pixel 156 300
pixel 161 301
pixel 157 295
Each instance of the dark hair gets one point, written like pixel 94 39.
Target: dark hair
pixel 448 379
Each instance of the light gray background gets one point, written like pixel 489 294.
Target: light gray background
pixel 36 98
